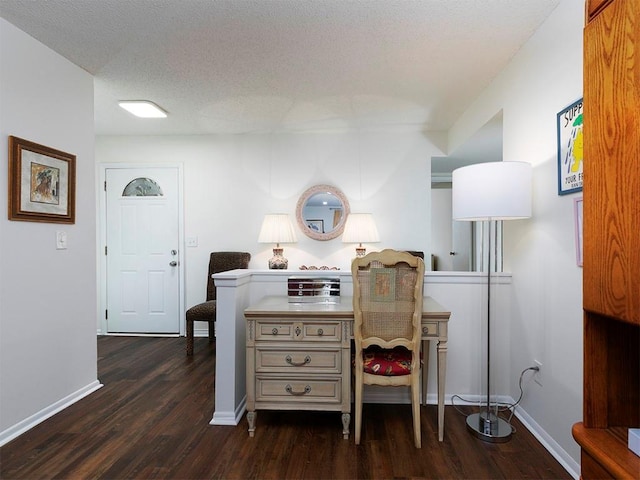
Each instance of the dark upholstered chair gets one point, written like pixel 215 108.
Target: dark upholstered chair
pixel 206 312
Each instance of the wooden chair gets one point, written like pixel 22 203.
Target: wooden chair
pixel 206 311
pixel 387 307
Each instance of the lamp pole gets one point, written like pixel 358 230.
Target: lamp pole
pixel 486 425
pixel 488 412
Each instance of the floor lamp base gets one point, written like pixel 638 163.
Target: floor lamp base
pixel 489 427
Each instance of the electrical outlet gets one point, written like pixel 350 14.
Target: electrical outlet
pixel 537 377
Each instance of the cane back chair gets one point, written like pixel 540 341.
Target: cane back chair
pixel 387 307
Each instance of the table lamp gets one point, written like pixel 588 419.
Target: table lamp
pixel 277 228
pixel 360 228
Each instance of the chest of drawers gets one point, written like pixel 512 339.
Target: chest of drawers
pixel 299 359
pixel 299 356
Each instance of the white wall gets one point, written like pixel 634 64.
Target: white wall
pixel 543 78
pixel 47 296
pixel 232 181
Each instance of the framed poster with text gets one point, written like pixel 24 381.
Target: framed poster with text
pixel 570 149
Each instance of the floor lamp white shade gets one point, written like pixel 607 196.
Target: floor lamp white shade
pixel 491 191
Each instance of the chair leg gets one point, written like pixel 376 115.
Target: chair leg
pixel 415 406
pixel 212 331
pixel 358 401
pixel 189 337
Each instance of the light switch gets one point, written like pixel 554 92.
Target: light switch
pixel 192 241
pixel 61 240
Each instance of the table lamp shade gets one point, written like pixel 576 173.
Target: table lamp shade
pixel 492 191
pixel 277 228
pixel 360 228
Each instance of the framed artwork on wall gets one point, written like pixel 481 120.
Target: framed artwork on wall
pixel 570 149
pixel 316 226
pixel 42 183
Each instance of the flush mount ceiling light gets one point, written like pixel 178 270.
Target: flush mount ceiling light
pixel 143 108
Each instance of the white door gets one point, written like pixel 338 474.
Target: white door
pixel 461 248
pixel 142 239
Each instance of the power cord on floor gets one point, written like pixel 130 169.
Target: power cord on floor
pixel 500 406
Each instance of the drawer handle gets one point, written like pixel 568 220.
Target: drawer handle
pixel 290 361
pixel 298 331
pixel 289 390
pixel 274 331
pixel 425 330
pixel 320 332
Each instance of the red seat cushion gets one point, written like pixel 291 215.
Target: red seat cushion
pixel 390 363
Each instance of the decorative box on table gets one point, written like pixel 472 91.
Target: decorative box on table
pixel 301 289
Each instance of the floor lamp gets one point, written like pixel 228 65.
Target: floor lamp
pixel 491 192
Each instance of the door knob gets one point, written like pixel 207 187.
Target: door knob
pixel 452 253
pixel 173 263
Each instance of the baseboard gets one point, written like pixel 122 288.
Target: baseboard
pixel 148 335
pixel 230 418
pixel 197 332
pixel 570 465
pixel 39 417
pixel 201 332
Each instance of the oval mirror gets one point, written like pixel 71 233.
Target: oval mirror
pixel 321 212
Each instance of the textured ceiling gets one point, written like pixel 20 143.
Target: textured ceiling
pixel 236 66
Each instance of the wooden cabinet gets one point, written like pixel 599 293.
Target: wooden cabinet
pixel 611 276
pixel 594 7
pixel 612 162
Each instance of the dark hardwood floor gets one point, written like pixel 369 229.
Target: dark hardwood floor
pixel 151 420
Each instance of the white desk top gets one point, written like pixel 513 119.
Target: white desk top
pixel 279 305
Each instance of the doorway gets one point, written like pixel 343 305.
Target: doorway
pixel 142 279
pixel 458 245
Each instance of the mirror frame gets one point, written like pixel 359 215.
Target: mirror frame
pixel 306 195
